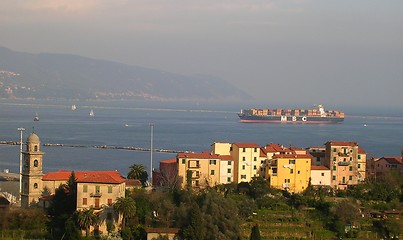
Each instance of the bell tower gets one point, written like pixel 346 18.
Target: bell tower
pixel 32 172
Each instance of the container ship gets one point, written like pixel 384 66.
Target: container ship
pixel 317 115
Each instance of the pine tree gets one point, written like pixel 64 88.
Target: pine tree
pixel 255 234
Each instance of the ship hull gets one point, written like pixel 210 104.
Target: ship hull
pixel 289 119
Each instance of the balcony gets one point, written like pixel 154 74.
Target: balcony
pixel 343 163
pixel 343 154
pixel 96 194
pixel 196 176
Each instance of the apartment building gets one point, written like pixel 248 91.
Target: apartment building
pixel 246 157
pixel 198 170
pixel 320 176
pixel 380 167
pixel 290 171
pixel 347 162
pixel 318 155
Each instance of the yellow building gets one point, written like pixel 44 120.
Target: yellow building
pixel 347 162
pixel 290 171
pixel 199 170
pixel 221 148
pixel 95 189
pixel 246 157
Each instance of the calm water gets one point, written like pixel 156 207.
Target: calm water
pixel 128 124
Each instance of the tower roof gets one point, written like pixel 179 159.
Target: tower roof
pixel 33 138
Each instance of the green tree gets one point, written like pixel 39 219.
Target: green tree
pixel 62 206
pixel 87 218
pixel 125 206
pixel 138 171
pixel 193 231
pixel 255 234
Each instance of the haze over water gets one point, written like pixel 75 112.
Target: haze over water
pixel 176 127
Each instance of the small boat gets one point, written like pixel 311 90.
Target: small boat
pixel 91 113
pixel 36 118
pixel 73 107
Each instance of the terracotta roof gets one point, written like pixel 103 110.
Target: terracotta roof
pixel 351 144
pixel 273 148
pixel 247 145
pixel 392 160
pixel 263 152
pixel 319 168
pixel 133 183
pixel 226 157
pixel 86 176
pixel 203 155
pixel 168 161
pixel 275 156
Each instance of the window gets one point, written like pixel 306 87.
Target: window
pixel 350 178
pixel 228 179
pixel 254 167
pixel 243 150
pixel 229 170
pixel 109 201
pixel 322 174
pixel 291 171
pixel 243 176
pixel 334 168
pixel 212 162
pixel 97 189
pixel 334 158
pixel 334 178
pixel 109 189
pixel 183 161
pixel 318 159
pixel 84 201
pixel 351 168
pixel 243 167
pixel 291 161
pixel 243 159
pixel 254 159
pixel 359 156
pixel 35 163
pixel 85 188
pixel 35 185
pixel 299 172
pixel 287 180
pixel 334 149
pixel 229 163
pixel 212 172
pixel 351 159
pixel 274 170
pixel 36 148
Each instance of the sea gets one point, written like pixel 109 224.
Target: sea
pixel 170 127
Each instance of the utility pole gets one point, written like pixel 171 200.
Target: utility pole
pixel 21 130
pixel 151 153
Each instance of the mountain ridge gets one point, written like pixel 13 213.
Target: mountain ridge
pixel 67 76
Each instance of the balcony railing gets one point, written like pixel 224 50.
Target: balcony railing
pixel 344 154
pixel 343 163
pixel 194 165
pixel 96 194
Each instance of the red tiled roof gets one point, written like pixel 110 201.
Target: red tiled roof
pixel 361 151
pixel 291 156
pixel 168 161
pixel 226 157
pixel 273 148
pixel 247 145
pixel 351 144
pixel 86 176
pixel 392 160
pixel 319 168
pixel 133 183
pixel 203 155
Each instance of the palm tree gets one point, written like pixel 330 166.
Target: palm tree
pixel 138 171
pixel 125 206
pixel 87 218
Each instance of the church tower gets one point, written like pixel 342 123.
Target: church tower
pixel 32 172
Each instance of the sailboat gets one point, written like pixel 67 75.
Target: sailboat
pixel 73 107
pixel 36 118
pixel 91 113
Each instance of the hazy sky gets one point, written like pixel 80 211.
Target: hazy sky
pixel 301 52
